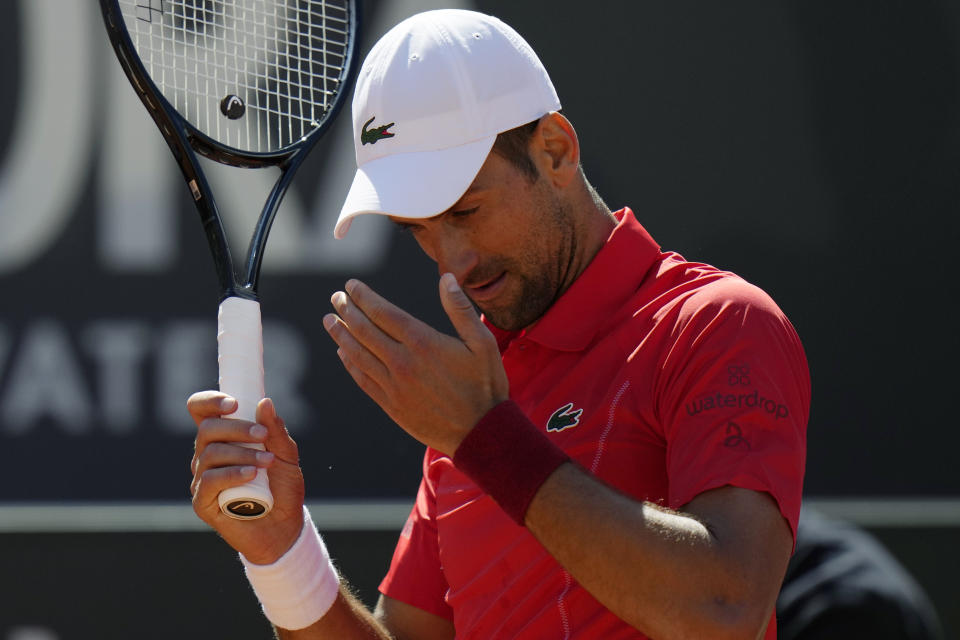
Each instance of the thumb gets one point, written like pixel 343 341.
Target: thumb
pixel 459 309
pixel 278 439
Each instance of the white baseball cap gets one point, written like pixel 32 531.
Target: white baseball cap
pixel 431 97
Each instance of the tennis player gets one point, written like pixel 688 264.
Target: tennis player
pixel 615 449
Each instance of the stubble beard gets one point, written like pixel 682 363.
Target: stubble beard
pixel 541 277
pixel 531 302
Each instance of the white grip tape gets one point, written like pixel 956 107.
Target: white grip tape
pixel 240 356
pixel 300 587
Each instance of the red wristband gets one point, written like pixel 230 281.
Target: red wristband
pixel 509 458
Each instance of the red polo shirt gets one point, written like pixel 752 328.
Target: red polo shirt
pixel 663 377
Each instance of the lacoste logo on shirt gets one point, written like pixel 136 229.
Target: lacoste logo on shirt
pixel 564 418
pixel 371 136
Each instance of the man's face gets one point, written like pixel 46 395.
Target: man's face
pixel 509 241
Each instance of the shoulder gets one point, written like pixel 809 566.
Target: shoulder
pixel 693 296
pixel 713 319
pixel 704 286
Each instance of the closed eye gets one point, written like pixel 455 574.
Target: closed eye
pixel 463 213
pixel 406 227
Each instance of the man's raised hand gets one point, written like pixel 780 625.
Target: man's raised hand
pixel 435 386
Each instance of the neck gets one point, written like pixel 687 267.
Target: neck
pixel 592 225
pixel 598 222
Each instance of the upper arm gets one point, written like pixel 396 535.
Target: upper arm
pixel 751 534
pixel 406 622
pixel 734 399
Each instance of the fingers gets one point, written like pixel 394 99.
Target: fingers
pixel 269 430
pixel 378 315
pixel 224 458
pixel 210 404
pixel 384 315
pixel 207 486
pixel 229 430
pixel 223 465
pixel 221 460
pixel 366 382
pixel 357 338
pixel 225 430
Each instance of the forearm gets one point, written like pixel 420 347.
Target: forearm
pixel 664 573
pixel 347 619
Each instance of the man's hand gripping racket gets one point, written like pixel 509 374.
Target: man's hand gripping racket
pixel 248 83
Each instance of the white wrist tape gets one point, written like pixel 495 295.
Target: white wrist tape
pixel 301 586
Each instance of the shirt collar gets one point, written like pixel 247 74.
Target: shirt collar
pixel 613 275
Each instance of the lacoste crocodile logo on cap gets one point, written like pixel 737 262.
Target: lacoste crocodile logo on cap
pixel 371 136
pixel 564 418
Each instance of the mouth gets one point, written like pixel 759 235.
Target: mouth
pixel 486 290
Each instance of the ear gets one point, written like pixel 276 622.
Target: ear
pixel 555 149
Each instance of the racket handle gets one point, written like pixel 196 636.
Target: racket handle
pixel 240 356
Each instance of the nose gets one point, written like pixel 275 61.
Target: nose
pixel 452 252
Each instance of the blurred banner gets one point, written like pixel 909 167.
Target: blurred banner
pixel 784 141
pixel 109 320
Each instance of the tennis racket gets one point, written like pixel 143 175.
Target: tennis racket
pixel 247 83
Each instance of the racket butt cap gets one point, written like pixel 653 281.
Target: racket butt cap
pixel 247 502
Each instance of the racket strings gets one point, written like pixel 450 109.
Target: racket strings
pixel 277 64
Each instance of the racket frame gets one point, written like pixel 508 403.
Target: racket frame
pixel 186 142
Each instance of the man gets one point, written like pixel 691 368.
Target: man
pixel 615 451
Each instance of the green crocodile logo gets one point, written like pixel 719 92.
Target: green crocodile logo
pixel 370 136
pixel 564 418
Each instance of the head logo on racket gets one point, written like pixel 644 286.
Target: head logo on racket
pixel 232 107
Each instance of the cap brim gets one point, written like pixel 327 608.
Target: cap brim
pixel 413 185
